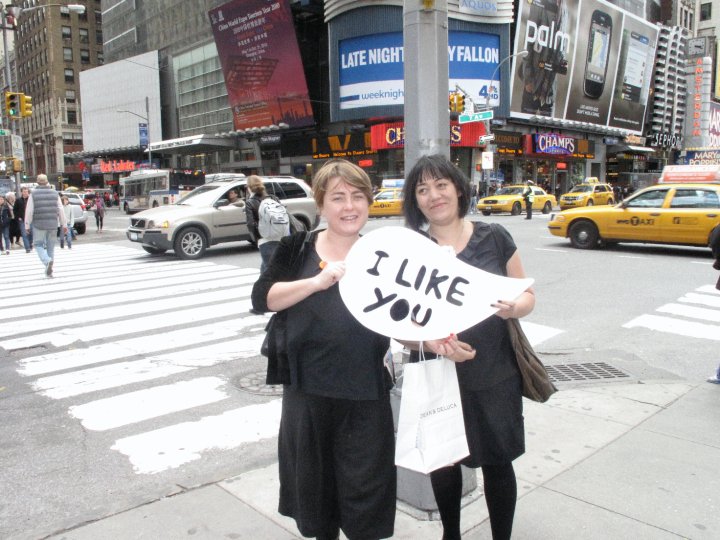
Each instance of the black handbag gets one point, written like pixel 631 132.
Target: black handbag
pixel 536 383
pixel 274 347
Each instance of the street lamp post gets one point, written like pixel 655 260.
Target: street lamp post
pixel 147 123
pixel 15 12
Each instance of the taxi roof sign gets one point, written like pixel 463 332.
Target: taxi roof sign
pixel 686 174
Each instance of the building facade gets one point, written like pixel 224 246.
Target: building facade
pixel 52 47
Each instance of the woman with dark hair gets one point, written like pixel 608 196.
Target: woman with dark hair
pixel 336 442
pixel 436 199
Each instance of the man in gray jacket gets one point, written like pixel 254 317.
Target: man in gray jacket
pixel 44 212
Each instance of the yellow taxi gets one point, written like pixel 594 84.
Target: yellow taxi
pixel 510 199
pixel 587 194
pixel 388 202
pixel 682 214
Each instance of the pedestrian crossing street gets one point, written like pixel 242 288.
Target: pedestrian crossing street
pixel 120 338
pixel 696 314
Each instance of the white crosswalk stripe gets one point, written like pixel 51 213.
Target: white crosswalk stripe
pixel 703 323
pixel 126 307
pixel 131 339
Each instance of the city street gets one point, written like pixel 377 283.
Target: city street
pixel 128 378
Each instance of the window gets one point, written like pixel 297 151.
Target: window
pixel 100 57
pixel 84 56
pixel 695 198
pixel 67 54
pixel 69 75
pixel 66 32
pixel 84 35
pixel 705 11
pixel 649 199
pixel 98 37
pixel 65 12
pixel 70 96
pixel 72 117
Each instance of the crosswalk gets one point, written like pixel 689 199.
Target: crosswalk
pixel 121 338
pixel 696 314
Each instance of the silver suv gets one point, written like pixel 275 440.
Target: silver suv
pixel 204 217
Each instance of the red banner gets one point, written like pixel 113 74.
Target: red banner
pixel 392 135
pixel 261 63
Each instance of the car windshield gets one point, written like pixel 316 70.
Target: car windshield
pixel 581 189
pixel 509 191
pixel 386 195
pixel 203 195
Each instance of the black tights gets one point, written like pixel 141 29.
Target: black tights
pixel 500 488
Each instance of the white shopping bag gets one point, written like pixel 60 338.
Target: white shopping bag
pixel 431 429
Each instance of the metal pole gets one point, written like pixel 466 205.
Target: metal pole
pixel 147 121
pixel 425 49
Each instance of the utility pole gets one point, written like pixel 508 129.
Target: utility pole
pixel 425 47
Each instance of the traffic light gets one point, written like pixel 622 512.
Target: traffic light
pixel 26 106
pixel 452 98
pixel 460 103
pixel 12 104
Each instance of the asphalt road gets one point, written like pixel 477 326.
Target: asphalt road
pixel 87 357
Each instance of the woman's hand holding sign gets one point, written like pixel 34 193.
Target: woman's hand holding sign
pixel 330 274
pixel 451 348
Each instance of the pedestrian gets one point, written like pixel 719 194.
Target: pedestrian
pixel 19 211
pixel 715 247
pixel 68 221
pixel 99 209
pixel 336 441
pixel 267 246
pixel 473 198
pixel 6 217
pixel 529 198
pixel 14 228
pixel 43 213
pixel 436 195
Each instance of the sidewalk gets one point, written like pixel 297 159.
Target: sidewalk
pixel 617 460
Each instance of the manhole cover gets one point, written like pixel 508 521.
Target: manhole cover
pixel 254 383
pixel 590 371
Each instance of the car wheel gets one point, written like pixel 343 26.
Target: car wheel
pixel 190 243
pixel 547 208
pixel 611 202
pixel 590 202
pixel 516 208
pixel 584 235
pixel 80 229
pixel 153 251
pixel 486 212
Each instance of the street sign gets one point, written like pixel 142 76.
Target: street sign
pixel 17 147
pixel 475 117
pixel 486 138
pixel 143 130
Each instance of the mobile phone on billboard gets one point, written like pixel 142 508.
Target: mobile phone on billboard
pixel 598 52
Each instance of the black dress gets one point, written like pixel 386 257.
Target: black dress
pixel 490 384
pixel 336 442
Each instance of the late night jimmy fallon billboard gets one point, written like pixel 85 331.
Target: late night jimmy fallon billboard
pixel 588 61
pixel 261 63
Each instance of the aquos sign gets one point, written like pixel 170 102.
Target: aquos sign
pixel 553 143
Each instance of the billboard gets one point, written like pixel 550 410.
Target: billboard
pixel 261 63
pixel 371 67
pixel 588 61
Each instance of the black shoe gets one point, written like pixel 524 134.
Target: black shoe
pixel 256 312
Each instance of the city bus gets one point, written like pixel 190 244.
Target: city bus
pixel 148 188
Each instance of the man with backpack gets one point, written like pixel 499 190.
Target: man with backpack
pixel 267 219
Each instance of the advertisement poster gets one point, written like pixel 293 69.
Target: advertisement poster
pixel 594 68
pixel 371 68
pixel 261 63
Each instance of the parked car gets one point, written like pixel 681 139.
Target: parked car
pixel 587 195
pixel 78 204
pixel 510 199
pixel 204 217
pixel 387 202
pixel 683 214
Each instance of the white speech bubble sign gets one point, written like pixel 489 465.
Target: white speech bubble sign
pixel 401 284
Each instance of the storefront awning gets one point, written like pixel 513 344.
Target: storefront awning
pixel 630 149
pixel 193 144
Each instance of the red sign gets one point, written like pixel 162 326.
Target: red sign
pixel 392 135
pixel 261 63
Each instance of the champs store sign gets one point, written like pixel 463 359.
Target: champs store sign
pixel 555 144
pixel 392 135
